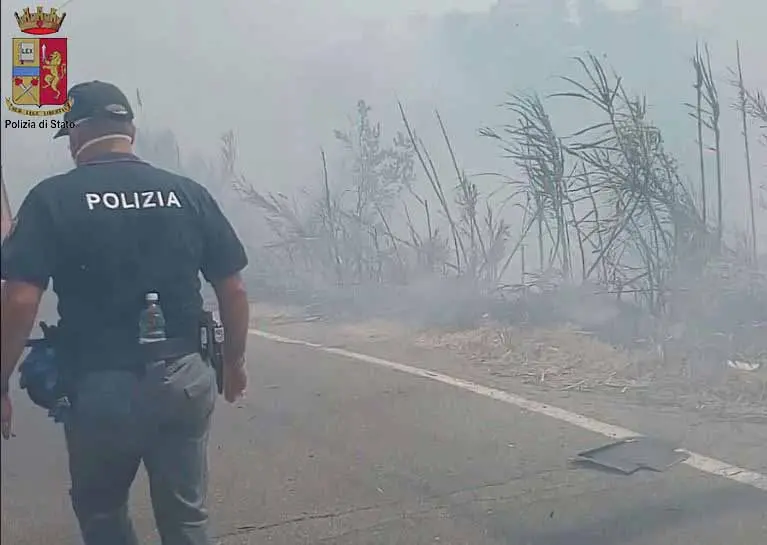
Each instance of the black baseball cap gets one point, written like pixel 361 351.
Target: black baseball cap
pixel 96 99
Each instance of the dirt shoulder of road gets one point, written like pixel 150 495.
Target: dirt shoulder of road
pixel 560 359
pixel 722 415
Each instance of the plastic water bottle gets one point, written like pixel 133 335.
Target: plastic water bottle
pixel 151 323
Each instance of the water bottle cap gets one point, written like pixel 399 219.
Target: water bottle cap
pixel 151 296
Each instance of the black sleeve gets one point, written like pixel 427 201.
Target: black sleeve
pixel 223 253
pixel 29 250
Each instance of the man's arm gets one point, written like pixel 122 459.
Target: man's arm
pixel 20 302
pixel 27 265
pixel 223 259
pixel 234 310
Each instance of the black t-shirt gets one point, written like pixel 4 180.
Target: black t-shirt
pixel 107 233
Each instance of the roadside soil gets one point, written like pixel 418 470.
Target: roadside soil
pixel 563 359
pixel 722 414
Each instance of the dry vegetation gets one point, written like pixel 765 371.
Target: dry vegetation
pixel 568 359
pixel 606 204
pixel 598 219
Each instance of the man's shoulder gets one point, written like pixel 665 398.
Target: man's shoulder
pixel 179 180
pixel 53 181
pixel 48 188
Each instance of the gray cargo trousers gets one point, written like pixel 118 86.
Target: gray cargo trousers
pixel 161 417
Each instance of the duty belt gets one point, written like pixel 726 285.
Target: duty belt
pixel 135 357
pixel 168 349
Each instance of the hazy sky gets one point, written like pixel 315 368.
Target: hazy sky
pixel 282 73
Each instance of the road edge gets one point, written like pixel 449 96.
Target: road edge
pixel 697 461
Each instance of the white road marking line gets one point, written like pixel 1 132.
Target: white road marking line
pixel 697 461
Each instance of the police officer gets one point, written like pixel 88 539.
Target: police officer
pixel 108 232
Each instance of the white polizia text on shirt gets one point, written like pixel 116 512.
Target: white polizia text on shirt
pixel 132 200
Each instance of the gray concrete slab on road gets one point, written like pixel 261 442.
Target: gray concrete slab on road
pixel 325 450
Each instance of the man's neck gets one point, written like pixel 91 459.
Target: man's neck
pixel 104 146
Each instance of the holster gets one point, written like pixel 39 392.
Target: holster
pixel 212 345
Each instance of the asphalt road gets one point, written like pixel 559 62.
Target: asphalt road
pixel 329 450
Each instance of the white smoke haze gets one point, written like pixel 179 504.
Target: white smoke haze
pixel 283 75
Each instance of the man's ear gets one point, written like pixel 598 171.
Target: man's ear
pixel 72 143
